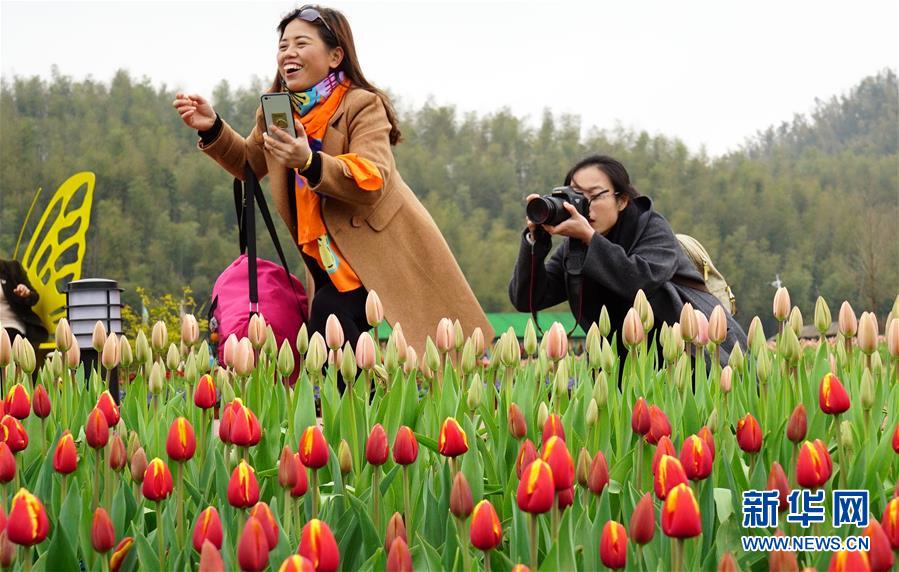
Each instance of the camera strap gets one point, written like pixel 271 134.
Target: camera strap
pixel 577 282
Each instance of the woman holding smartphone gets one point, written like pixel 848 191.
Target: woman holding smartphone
pixel 356 223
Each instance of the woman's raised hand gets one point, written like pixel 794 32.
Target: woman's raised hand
pixel 288 151
pixel 195 111
pixel 531 225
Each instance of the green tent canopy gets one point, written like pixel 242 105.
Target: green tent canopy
pixel 502 321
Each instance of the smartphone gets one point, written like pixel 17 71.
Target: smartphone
pixel 277 111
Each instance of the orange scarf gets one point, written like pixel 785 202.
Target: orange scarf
pixel 312 234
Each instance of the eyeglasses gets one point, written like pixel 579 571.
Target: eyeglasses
pixel 310 14
pixel 598 197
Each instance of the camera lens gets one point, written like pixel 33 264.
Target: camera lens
pixel 540 210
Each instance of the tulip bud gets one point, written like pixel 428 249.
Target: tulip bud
pixel 374 310
pixel 556 454
pixel 644 310
pixel 542 414
pixel 846 436
pixel 561 380
pixel 334 333
pixel 27 524
pixel 582 467
pixel 313 448
pixel 405 446
pixel 736 360
pixel 669 473
pixel 682 373
pixel 717 325
pixel 57 367
pixel 98 340
pixel 813 465
pixel 726 374
pixel 795 321
pixel 452 441
pixel 701 335
pixel 17 402
pixel 344 457
pixel 797 425
pixel 608 357
pixel 696 458
pixel 243 488
pixel 117 455
pixel 432 355
pixel 459 334
pixel 556 340
pixel 318 545
pixel 159 336
pixel 592 413
pixel 892 335
pixel 632 331
pixel 822 316
pixel 102 532
pixel 601 389
pixel 756 336
pixel 173 357
pixel 411 362
pixel 867 390
pixel 687 323
pixel 643 521
pixel 27 360
pixel 781 304
pixel 613 545
pixel 157 482
pixel 517 425
pixel 530 339
pixel 763 365
pixel 96 430
pixel 680 513
pixel 190 330
pixel 659 425
pixel 395 529
pixel 156 379
pixel 285 359
pixel 881 553
pixel 749 434
pixel 181 443
pixel 257 332
pixel 475 393
pixel 461 503
pixel 848 323
pixel 317 354
pixel 5 348
pixel 594 347
pixel 777 481
pixel 867 333
pixel 486 530
pixel 832 396
pixel 138 465
pixel 287 469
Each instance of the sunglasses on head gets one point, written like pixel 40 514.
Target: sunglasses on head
pixel 309 14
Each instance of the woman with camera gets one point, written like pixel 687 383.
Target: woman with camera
pixel 615 244
pixel 357 225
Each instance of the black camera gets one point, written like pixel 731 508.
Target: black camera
pixel 549 209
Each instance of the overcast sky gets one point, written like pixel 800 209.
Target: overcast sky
pixel 709 72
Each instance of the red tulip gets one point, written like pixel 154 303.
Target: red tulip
pixel 452 441
pixel 486 530
pixel 565 498
pixel 797 426
pixel 706 435
pixel 556 454
pixel 181 443
pixel 727 563
pixel 518 427
pixel 157 483
pixel 696 458
pixel 640 417
pixel 313 448
pixel 670 473
pixel 225 424
pixel 96 430
pixel 263 513
pixel 832 396
pixel 302 484
pixel 204 395
pixel 27 524
pixel 376 450
pixel 813 467
pixel 664 447
pixel 14 434
pixel 598 477
pixel 118 456
pixel 318 545
pixel 889 522
pixel 121 552
pixel 296 563
pixel 461 504
pixel 41 402
pixel 643 521
pixel 107 405
pixel 536 489
pixel 102 532
pixel 749 434
pixel 680 514
pixel 395 529
pixel 253 549
pixel 211 559
pixel 880 553
pixel 896 439
pixel 65 457
pixel 520 568
pixel 405 446
pixel 287 469
pixel 777 481
pixel 613 545
pixel 658 425
pixel 7 464
pixel 845 561
pixel 553 427
pixel 243 488
pixel 526 455
pixel 399 559
pixel 208 528
pixel 18 404
pixel 245 429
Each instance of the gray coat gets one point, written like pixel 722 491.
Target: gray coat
pixel 640 252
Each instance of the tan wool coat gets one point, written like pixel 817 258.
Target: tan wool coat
pixel 386 236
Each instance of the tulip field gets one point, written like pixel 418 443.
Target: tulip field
pixel 476 454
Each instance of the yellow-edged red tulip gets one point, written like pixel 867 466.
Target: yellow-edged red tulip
pixel 204 394
pixel 486 530
pixel 65 456
pixel 243 488
pixel 208 528
pixel 846 561
pixel 664 447
pixel 14 433
pixel 107 405
pixel 669 474
pixel 658 425
pixel 832 396
pixel 613 545
pixel 640 421
pixel 526 455
pixel 18 403
pixel 181 443
pixel 296 563
pixel 696 458
pixel 890 522
pixel 536 489
pixel 777 481
pixel 318 545
pixel 313 448
pixel 556 454
pixel 121 552
pixel 27 524
pixel 96 430
pixel 813 466
pixel 880 554
pixel 252 550
pixel 245 428
pixel 7 464
pixel 263 513
pixel 553 427
pixel 452 441
pixel 680 513
pixel 749 434
pixel 157 484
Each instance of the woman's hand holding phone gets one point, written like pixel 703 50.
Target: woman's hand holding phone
pixel 195 111
pixel 289 152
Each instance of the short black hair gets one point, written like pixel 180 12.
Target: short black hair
pixel 614 170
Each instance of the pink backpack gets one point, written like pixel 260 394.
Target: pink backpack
pixel 255 285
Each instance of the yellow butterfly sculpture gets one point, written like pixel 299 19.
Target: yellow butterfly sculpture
pixel 56 250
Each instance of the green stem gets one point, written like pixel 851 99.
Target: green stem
pixel 677 555
pixel 159 534
pixel 288 514
pixel 840 451
pixel 463 546
pixel 180 523
pixel 556 518
pixel 407 508
pixel 314 493
pixel 487 561
pixel 96 487
pixel 638 468
pixel 532 524
pixel 376 498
